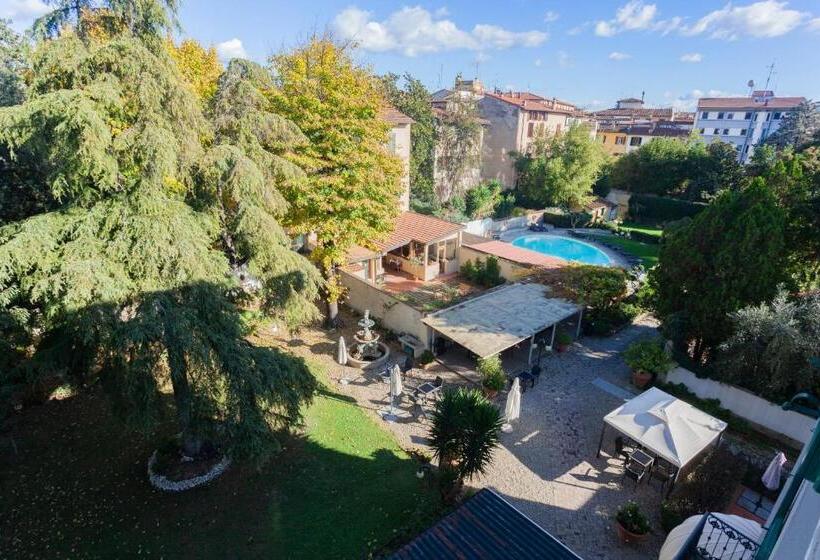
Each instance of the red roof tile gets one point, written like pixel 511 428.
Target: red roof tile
pixel 743 103
pixel 394 116
pixel 522 256
pixel 417 227
pixel 532 102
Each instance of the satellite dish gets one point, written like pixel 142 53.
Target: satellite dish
pixel 750 83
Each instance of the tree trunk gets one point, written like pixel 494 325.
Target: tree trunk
pixel 191 443
pixel 332 320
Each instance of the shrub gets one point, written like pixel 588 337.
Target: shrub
pixel 486 273
pixel 568 220
pixel 492 373
pixel 658 209
pixel 426 357
pixel 606 321
pixel 506 207
pixel 644 237
pixel 632 519
pixel 709 487
pixel 647 355
pixel 563 338
pixel 481 200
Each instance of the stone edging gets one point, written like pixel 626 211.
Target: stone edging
pixel 162 483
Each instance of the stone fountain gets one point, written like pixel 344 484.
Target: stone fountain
pixel 368 351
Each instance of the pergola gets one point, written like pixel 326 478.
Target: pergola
pixel 501 318
pixel 666 426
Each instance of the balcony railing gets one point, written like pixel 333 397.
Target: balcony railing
pixel 716 540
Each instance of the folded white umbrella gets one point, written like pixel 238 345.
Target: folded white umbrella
pixel 395 382
pixel 771 478
pixel 512 409
pixel 341 355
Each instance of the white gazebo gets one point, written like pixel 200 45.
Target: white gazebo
pixel 665 426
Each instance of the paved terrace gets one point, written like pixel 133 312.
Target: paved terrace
pixel 547 466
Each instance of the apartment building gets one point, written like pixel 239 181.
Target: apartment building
pixel 633 111
pixel 744 122
pixel 625 139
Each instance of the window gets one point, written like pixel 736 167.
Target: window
pixel 730 116
pixel 720 115
pixel 716 131
pixel 746 149
pixel 530 128
pixel 725 131
pixel 743 131
pixel 620 140
pixel 748 116
pixel 704 115
pixel 635 141
pixel 769 117
pixel 777 116
pixel 703 131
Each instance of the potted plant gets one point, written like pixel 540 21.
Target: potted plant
pixel 426 360
pixel 492 375
pixel 632 524
pixel 562 340
pixel 647 359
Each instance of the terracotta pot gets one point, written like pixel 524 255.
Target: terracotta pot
pixel 629 537
pixel 641 379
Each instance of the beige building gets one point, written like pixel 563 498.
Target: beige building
pixel 626 139
pixel 515 120
pixel 399 144
pixel 631 111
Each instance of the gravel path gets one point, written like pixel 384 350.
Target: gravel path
pixel 547 466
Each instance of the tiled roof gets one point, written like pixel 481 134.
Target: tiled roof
pixel 358 254
pixel 394 116
pixel 521 256
pixel 743 103
pixel 661 112
pixel 533 102
pixel 417 227
pixel 652 130
pixel 487 527
pixel 630 100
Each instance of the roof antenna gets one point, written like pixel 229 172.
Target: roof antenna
pixel 769 77
pixel 643 94
pixel 440 75
pixel 751 86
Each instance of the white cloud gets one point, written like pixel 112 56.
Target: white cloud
pixel 414 30
pixel 551 16
pixel 482 57
pixel 564 60
pixel 636 16
pixel 615 55
pixel 22 12
pixel 537 62
pixel 768 18
pixel 232 48
pixel 691 57
pixel 814 24
pixel 578 29
pixel 442 12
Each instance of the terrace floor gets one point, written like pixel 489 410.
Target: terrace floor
pixel 442 292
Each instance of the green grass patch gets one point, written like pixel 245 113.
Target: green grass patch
pixel 648 230
pixel 648 254
pixel 76 487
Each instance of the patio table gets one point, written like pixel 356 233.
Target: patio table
pixel 642 458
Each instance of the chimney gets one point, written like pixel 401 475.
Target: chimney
pixel 643 94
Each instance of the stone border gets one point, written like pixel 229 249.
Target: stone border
pixel 160 482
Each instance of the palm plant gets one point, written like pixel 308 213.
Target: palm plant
pixel 464 432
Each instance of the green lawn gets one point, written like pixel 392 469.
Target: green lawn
pixel 77 488
pixel 648 253
pixel 649 230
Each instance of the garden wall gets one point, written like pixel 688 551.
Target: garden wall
pixel 487 226
pixel 390 312
pixel 760 412
pixel 511 271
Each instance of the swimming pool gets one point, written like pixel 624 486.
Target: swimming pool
pixel 564 248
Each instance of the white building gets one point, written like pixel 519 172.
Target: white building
pixel 743 122
pixel 399 144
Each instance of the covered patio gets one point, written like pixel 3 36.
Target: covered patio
pixel 502 318
pixel 665 427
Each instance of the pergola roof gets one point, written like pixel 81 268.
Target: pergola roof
pixel 410 226
pixel 501 318
pixel 668 427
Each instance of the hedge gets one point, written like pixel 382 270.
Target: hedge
pixel 652 209
pixel 644 237
pixel 565 220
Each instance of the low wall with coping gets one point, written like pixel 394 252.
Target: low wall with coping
pixel 511 271
pixel 487 226
pixel 767 416
pixel 390 312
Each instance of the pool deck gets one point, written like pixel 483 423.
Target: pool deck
pixel 510 235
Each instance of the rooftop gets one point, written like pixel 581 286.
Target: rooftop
pixel 485 526
pixel 743 103
pixel 410 226
pixel 394 116
pixel 533 102
pixel 510 252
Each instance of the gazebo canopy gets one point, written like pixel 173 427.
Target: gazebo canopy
pixel 666 426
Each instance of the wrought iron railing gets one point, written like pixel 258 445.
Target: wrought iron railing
pixel 720 541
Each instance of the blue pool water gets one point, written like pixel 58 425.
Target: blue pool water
pixel 563 248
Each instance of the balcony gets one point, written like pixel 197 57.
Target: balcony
pixel 713 537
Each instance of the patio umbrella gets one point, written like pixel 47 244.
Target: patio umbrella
pixel 395 391
pixel 771 478
pixel 512 410
pixel 341 355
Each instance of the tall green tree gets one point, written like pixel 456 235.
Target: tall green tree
pixel 412 98
pixel 659 167
pixel 12 63
pixel 132 276
pixel 799 128
pixel 730 255
pixel 350 194
pixel 560 170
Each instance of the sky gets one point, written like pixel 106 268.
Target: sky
pixel 587 52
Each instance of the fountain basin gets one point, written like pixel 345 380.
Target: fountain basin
pixel 367 364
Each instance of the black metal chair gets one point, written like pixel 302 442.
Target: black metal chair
pixel 635 471
pixel 623 448
pixel 662 471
